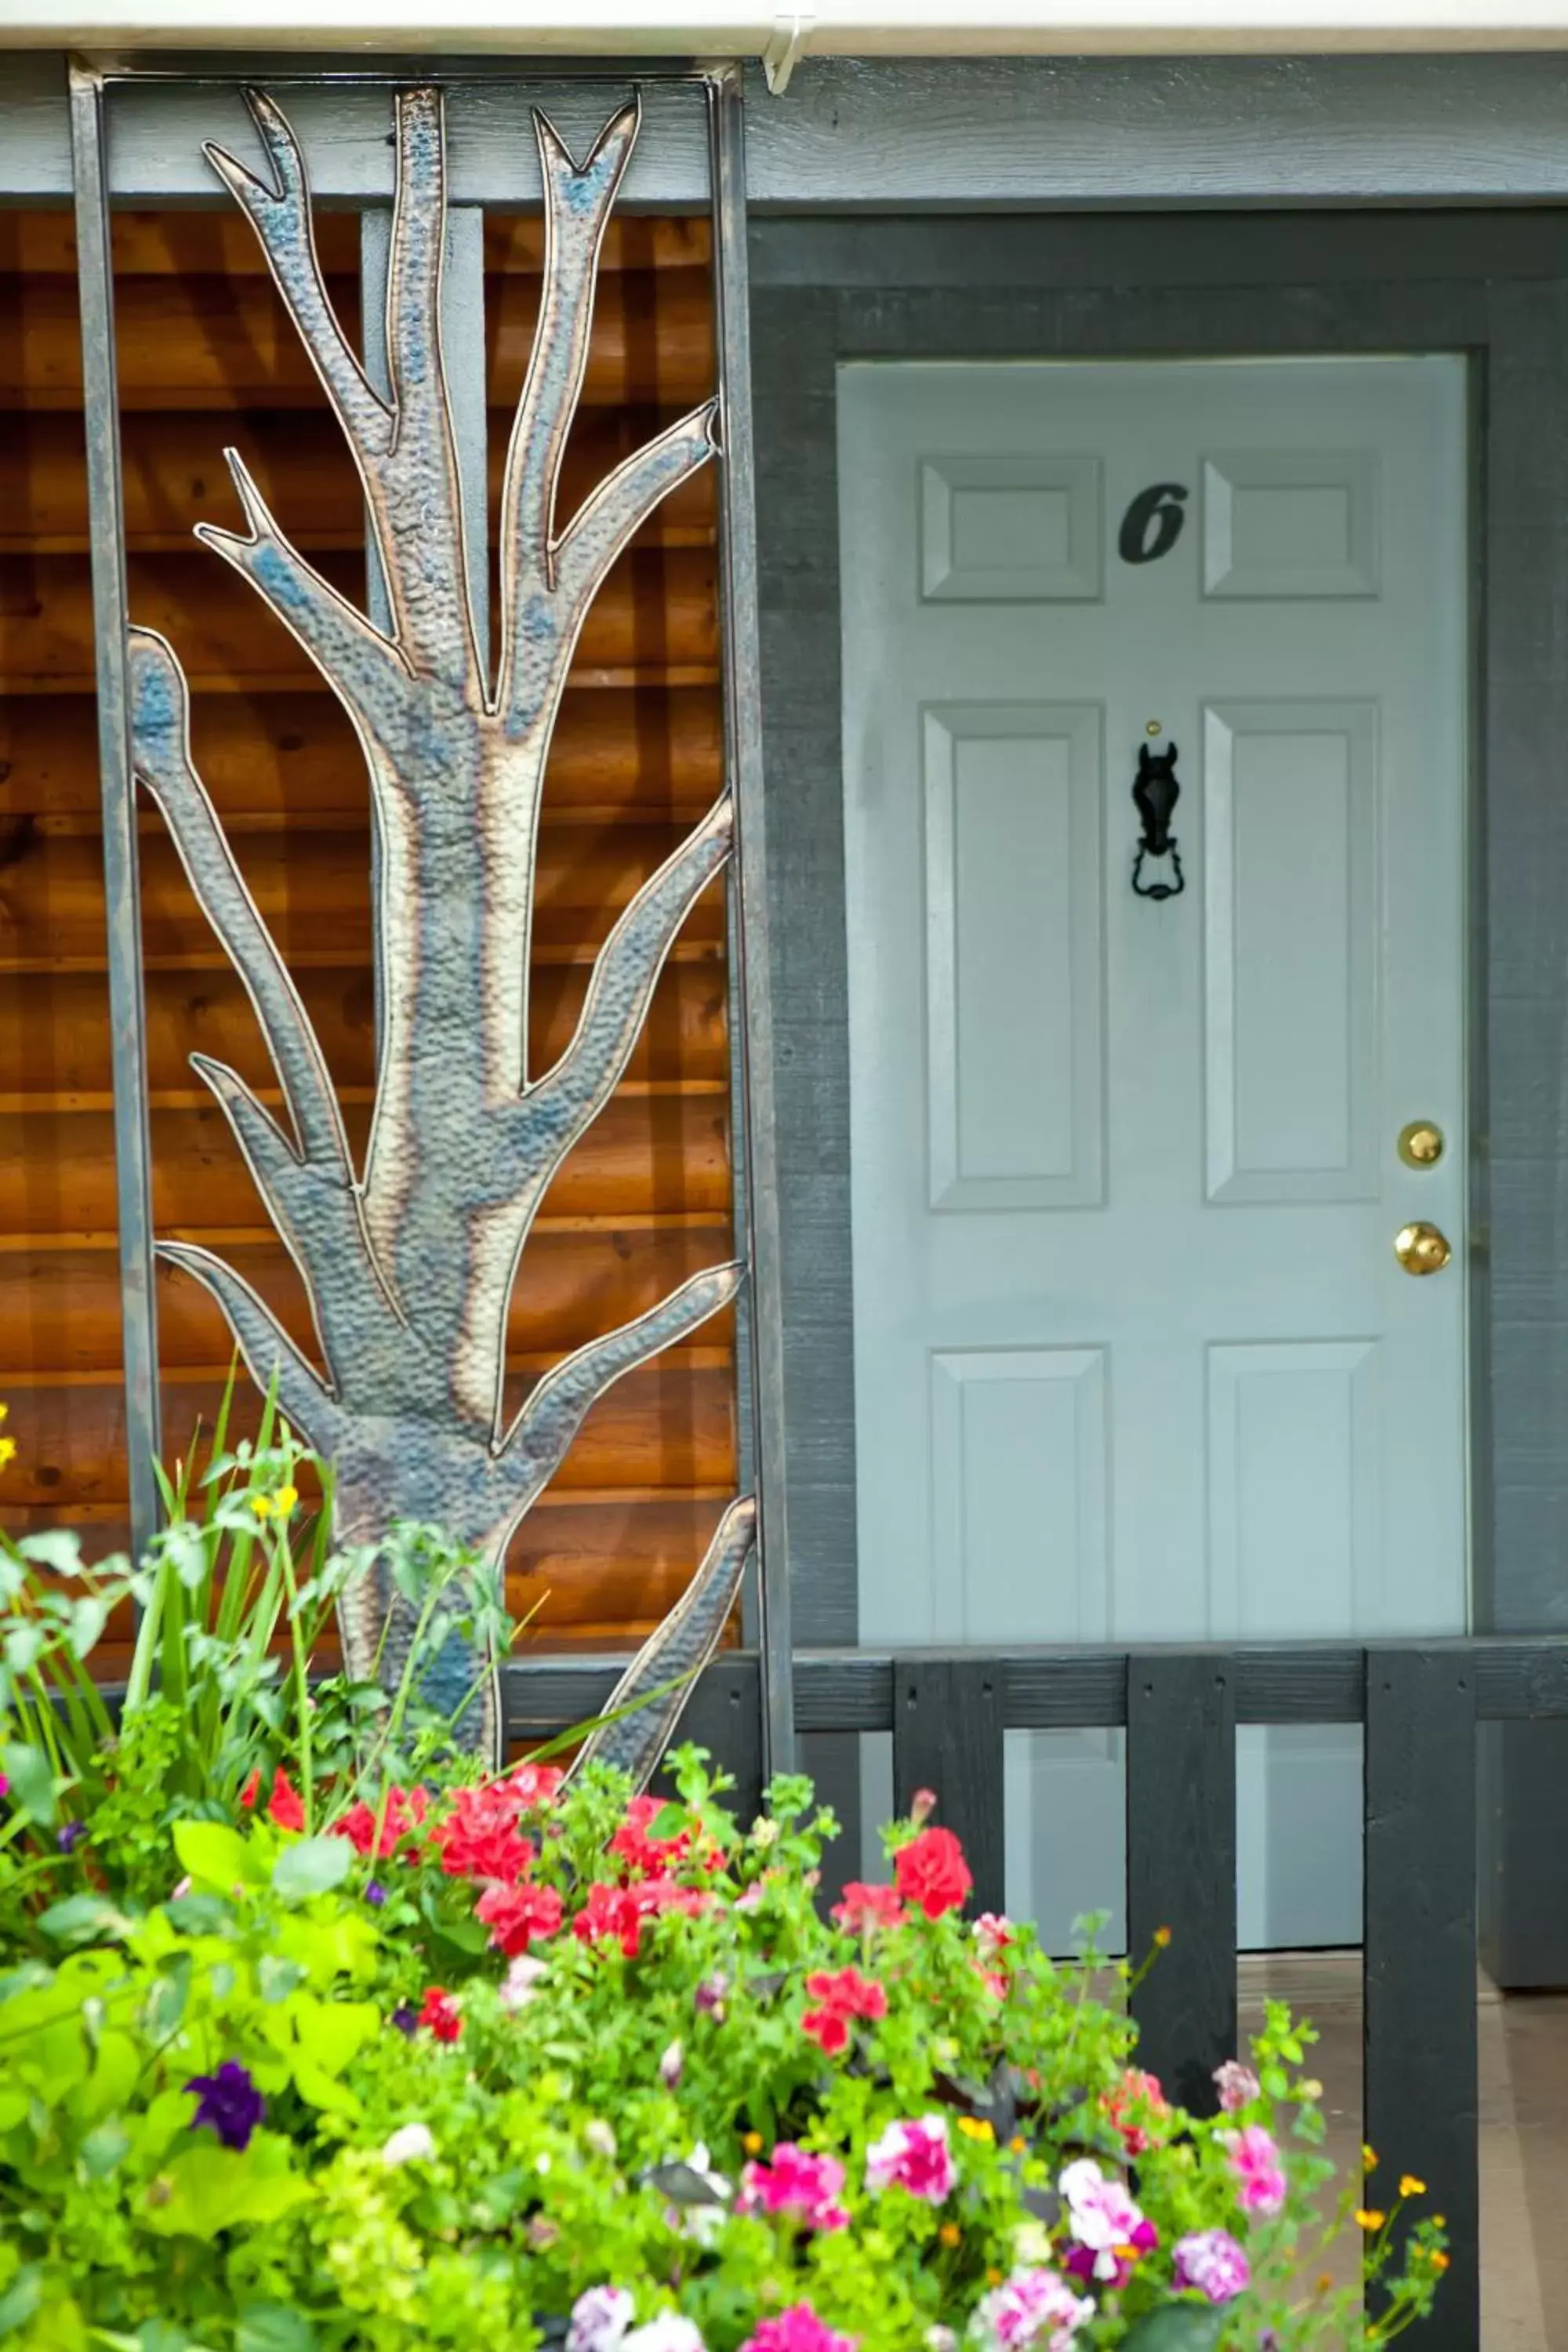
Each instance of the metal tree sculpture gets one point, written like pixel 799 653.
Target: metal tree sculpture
pixel 410 1263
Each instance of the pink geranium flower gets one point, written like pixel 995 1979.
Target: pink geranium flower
pixel 798 2329
pixel 1108 2229
pixel 1033 2308
pixel 1211 2260
pixel 1260 2183
pixel 793 2182
pixel 1238 2085
pixel 866 1907
pixel 914 2156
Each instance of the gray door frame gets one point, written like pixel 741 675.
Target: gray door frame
pixel 1491 285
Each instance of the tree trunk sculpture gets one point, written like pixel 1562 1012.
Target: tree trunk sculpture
pixel 410 1262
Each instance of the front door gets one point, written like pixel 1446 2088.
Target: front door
pixel 1136 1356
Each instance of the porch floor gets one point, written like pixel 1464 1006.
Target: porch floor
pixel 1523 2131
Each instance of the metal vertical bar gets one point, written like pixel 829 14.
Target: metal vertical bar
pixel 743 745
pixel 122 883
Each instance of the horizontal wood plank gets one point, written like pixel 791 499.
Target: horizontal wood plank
pixel 193 341
pixel 668 1425
pixel 51 892
pixel 176 476
pixel 222 243
pixel 59 1309
pixel 644 1155
pixel 55 1046
pixel 653 750
pixel 657 611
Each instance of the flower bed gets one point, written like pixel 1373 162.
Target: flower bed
pixel 309 2041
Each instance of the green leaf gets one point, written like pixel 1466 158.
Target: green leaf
pixel 32 1783
pixel 670 1821
pixel 24 1645
pixel 217 1856
pixel 1179 2328
pixel 166 2002
pixel 21 2299
pixel 55 1548
pixel 89 1614
pixel 197 1915
pixel 273 2328
pixel 312 1865
pixel 104 2148
pixel 207 2188
pixel 85 1919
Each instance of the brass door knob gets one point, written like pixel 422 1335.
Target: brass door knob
pixel 1422 1248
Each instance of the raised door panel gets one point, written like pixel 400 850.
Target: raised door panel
pixel 1291 977
pixel 1293 523
pixel 1010 530
pixel 1015 981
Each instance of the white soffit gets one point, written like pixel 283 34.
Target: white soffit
pixel 718 28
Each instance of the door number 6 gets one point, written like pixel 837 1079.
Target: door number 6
pixel 1153 524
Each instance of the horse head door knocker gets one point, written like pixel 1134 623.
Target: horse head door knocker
pixel 1155 793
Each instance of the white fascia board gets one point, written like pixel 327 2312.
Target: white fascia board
pixel 721 28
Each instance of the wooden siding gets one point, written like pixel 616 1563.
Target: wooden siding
pixel 206 358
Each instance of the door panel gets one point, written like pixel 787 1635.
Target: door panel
pixel 1134 1358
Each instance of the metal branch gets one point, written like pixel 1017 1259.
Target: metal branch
pixel 282 218
pixel 270 1353
pixel 363 668
pixel 677 1652
pixel 161 755
pixel 537 1441
pixel 623 503
pixel 577 202
pixel 625 977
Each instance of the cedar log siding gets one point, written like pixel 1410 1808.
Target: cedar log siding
pixel 206 357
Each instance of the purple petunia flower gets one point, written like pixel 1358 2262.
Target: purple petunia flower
pixel 229 2102
pixel 376 1893
pixel 68 1838
pixel 406 2019
pixel 1211 2260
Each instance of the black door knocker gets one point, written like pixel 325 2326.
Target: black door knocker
pixel 1155 793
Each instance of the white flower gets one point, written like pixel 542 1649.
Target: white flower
pixel 599 2136
pixel 521 1980
pixel 667 2332
pixel 670 2065
pixel 410 2144
pixel 600 2318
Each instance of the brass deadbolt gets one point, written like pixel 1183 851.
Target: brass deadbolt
pixel 1421 1144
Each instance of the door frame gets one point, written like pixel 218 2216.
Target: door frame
pixel 1492 285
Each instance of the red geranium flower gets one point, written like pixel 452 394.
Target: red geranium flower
pixel 533 1786
pixel 621 1911
pixel 283 1806
pixel 633 1845
pixel 477 1838
pixel 516 1915
pixel 441 2014
pixel 868 1906
pixel 401 1815
pixel 841 1995
pixel 932 1874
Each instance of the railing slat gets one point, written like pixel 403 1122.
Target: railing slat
pixel 948 1716
pixel 1419 1955
pixel 1181 1864
pixel 724 1716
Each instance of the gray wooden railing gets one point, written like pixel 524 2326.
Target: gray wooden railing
pixel 1420 1704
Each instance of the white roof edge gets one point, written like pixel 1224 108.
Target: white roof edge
pixel 721 28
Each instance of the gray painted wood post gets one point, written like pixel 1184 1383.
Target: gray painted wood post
pixel 1418 1957
pixel 1181 1864
pixel 947 1736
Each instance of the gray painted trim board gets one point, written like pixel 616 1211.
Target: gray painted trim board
pixel 979 133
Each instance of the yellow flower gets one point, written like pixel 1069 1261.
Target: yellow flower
pixel 1162 1937
pixel 1368 2221
pixel 7 1451
pixel 261 1506
pixel 993 2275
pixel 1439 2262
pixel 950 2233
pixel 5 1411
pixel 1439 2221
pixel 1018 2144
pixel 1410 2186
pixel 975 2127
pixel 1309 2090
pixel 1325 2281
pixel 752 2143
pixel 1368 2158
pixel 284 1500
